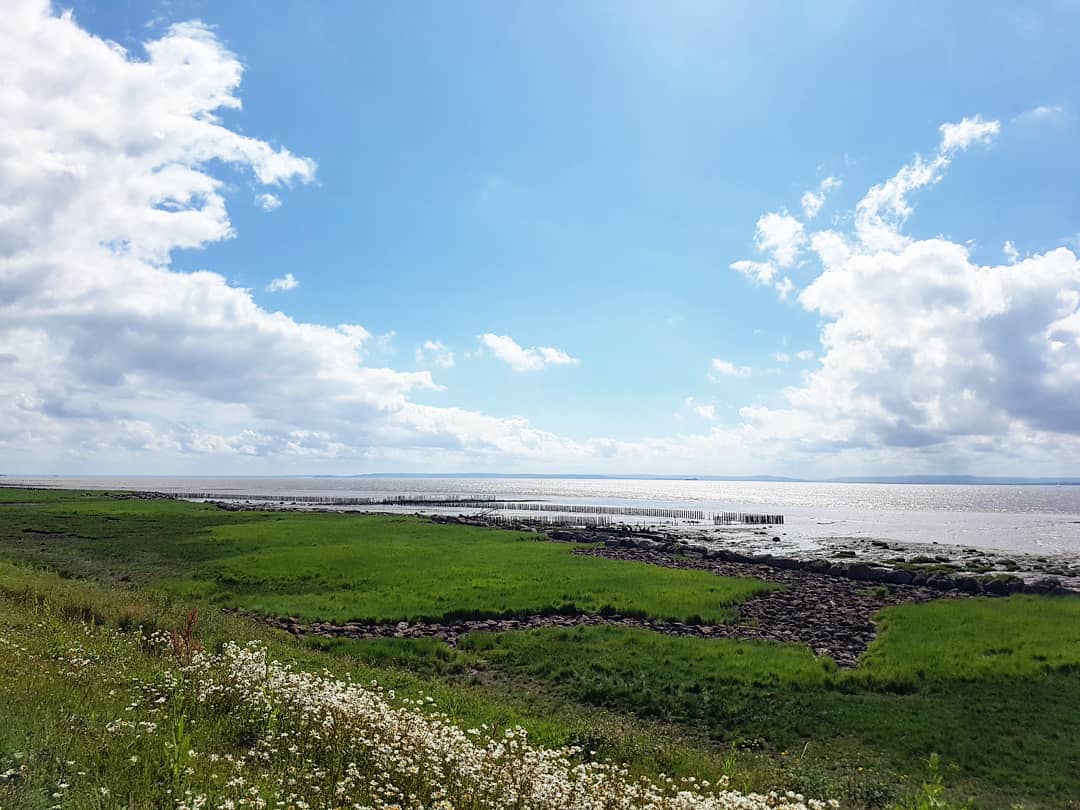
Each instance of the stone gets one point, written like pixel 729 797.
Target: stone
pixel 996 587
pixel 898 576
pixel 865 573
pixel 969 584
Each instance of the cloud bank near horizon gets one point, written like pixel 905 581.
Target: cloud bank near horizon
pixel 110 359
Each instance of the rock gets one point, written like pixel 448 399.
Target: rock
pixel 786 563
pixel 940 582
pixel 1046 585
pixel 865 573
pixel 969 584
pixel 563 535
pixel 997 587
pixel 898 576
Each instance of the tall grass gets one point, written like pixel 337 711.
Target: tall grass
pixel 98 717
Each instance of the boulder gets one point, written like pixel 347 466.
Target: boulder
pixel 1045 585
pixel 969 584
pixel 865 573
pixel 940 582
pixel 996 587
pixel 898 576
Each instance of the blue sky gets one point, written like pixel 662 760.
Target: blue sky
pixel 582 177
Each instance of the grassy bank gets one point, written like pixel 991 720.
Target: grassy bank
pixel 100 710
pixel 336 567
pixel 1002 705
pixel 992 686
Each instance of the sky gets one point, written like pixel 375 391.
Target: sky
pixel 811 239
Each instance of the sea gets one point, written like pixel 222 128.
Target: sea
pixel 1027 519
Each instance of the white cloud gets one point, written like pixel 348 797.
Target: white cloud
pixel 1010 251
pixel 284 284
pixel 1050 113
pixel 757 272
pixel 967 132
pixel 831 248
pixel 111 358
pixel 781 357
pixel 521 359
pixel 924 348
pixel 726 368
pixel 434 352
pixel 784 287
pixel 812 201
pixel 704 410
pixel 782 236
pixel 881 214
pixel 805 354
pixel 267 201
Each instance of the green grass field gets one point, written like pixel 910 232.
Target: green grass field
pixel 992 686
pixel 373 568
pixel 383 569
pixel 1010 732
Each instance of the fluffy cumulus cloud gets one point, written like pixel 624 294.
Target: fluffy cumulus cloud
pixel 520 358
pixel 927 353
pixel 106 352
pixel 112 359
pixel 782 236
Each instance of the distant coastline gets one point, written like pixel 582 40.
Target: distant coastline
pixel 949 480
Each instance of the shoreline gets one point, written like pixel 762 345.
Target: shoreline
pixel 939 565
pixel 933 564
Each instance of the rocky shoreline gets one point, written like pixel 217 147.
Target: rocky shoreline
pixel 937 566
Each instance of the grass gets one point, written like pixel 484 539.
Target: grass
pixel 936 681
pixel 73 654
pixel 990 685
pixel 372 568
pixel 384 568
pixel 975 640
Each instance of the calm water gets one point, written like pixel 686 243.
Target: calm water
pixel 1035 519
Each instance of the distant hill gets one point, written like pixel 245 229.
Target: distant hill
pixel 955 479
